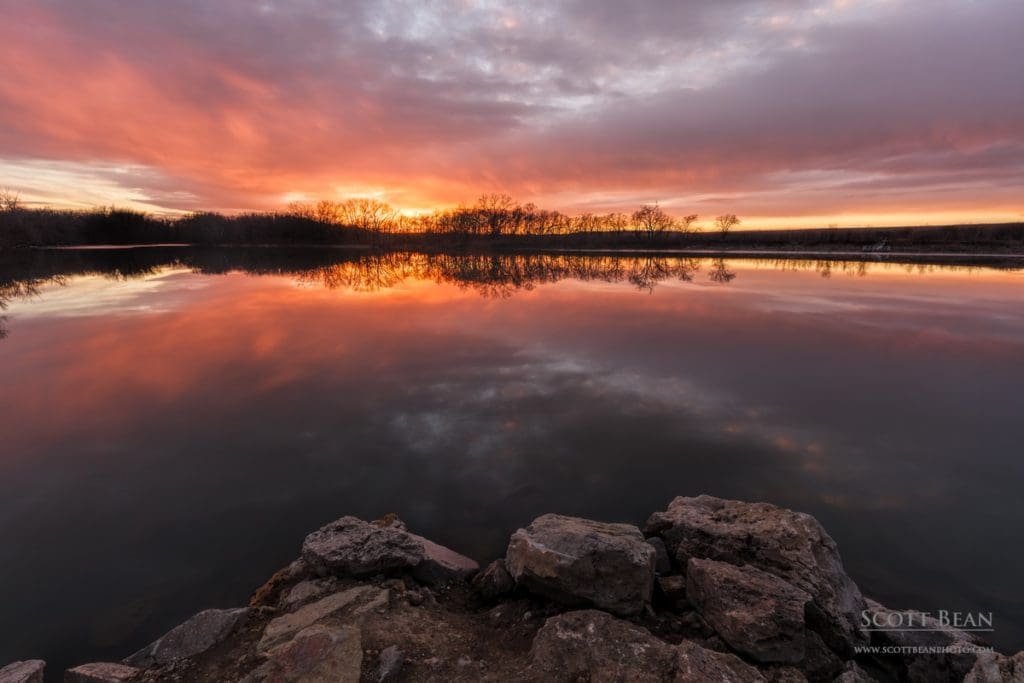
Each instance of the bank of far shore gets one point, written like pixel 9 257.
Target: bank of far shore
pixel 708 590
pixel 493 228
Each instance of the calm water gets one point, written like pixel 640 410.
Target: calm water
pixel 173 423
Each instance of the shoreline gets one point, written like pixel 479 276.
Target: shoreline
pixel 965 257
pixel 708 589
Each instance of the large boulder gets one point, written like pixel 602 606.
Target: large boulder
pixel 198 634
pixel 441 565
pixel 909 629
pixel 27 671
pixel 102 672
pixel 579 561
pixel 696 664
pixel 589 645
pixel 351 547
pixel 790 545
pixel 319 652
pixel 756 613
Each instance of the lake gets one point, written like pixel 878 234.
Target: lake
pixel 174 421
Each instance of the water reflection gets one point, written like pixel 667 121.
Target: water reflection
pixel 172 425
pixel 492 275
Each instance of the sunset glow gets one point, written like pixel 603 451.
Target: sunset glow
pixel 790 113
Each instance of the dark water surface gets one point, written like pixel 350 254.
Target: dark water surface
pixel 173 422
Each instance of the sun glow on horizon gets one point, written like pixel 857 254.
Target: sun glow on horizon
pixel 770 111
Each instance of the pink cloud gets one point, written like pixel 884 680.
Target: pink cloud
pixel 711 105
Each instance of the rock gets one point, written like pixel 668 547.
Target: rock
pixel 853 673
pixel 304 592
pixel 390 664
pixel 267 594
pixel 594 646
pixel 820 663
pixel 662 562
pixel 695 664
pixel 784 674
pixel 285 626
pixel 441 565
pixel 494 581
pixel 391 519
pixel 316 653
pixel 992 667
pixel 756 613
pixel 790 545
pixel 101 672
pixel 352 547
pixel 198 634
pixel 672 589
pixel 912 629
pixel 579 561
pixel 27 671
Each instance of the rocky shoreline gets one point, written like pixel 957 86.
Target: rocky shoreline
pixel 708 590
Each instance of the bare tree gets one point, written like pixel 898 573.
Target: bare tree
pixel 651 219
pixel 686 223
pixel 499 213
pixel 726 222
pixel 9 200
pixel 368 214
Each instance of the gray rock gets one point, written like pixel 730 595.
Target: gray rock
pixel 27 671
pixel 352 547
pixel 909 628
pixel 992 667
pixel 853 673
pixel 305 591
pixel 316 653
pixel 198 634
pixel 673 589
pixel 756 613
pixel 579 561
pixel 784 674
pixel 696 664
pixel 102 672
pixel 494 581
pixel 441 565
pixel 284 627
pixel 594 646
pixel 790 545
pixel 662 562
pixel 391 661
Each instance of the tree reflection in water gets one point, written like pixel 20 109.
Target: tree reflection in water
pixel 501 275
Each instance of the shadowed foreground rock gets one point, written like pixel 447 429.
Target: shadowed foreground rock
pixel 579 561
pixel 198 634
pixel 746 593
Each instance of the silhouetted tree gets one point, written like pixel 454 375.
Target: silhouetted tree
pixel 368 214
pixel 9 200
pixel 686 223
pixel 651 219
pixel 726 222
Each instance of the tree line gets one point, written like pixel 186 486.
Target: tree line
pixel 497 215
pixel 358 220
pixel 494 220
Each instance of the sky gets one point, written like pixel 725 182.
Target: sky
pixel 790 113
